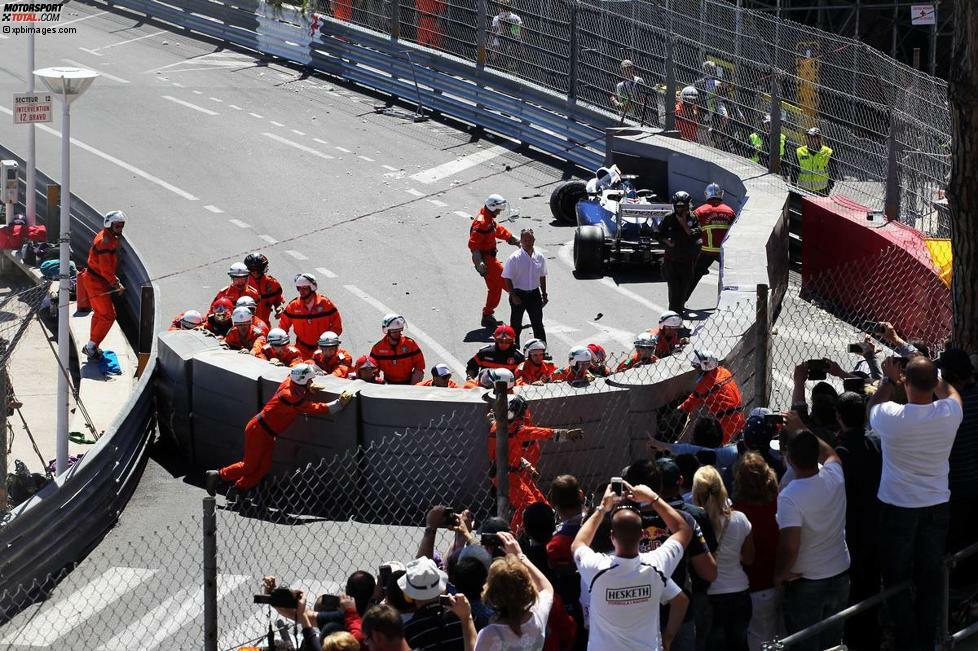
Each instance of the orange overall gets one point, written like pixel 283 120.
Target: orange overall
pixel 339 364
pixel 100 279
pixel 289 401
pixel 429 32
pixel 427 383
pixel 269 295
pixel 524 440
pixel 398 362
pixel 718 392
pixel 528 372
pixel 634 361
pixel 482 237
pixel 237 340
pixel 233 293
pixel 288 355
pixel 310 321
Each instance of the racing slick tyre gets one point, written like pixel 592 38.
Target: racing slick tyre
pixel 588 250
pixel 564 198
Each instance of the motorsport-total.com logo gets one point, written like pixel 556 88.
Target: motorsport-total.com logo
pixel 26 13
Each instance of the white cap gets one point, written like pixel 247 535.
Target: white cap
pixel 441 370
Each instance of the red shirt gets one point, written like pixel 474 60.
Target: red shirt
pixel 528 372
pixel 311 321
pixel 485 231
pixel 236 341
pixel 715 219
pixel 103 257
pixel 289 401
pixel 687 122
pixel 764 530
pixel 398 362
pixel 232 293
pixel 339 364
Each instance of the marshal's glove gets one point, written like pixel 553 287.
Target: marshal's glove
pixel 575 434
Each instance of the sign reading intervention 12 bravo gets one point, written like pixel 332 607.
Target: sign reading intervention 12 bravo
pixel 30 108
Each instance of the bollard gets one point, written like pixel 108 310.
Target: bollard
pixel 762 378
pixel 210 573
pixel 501 409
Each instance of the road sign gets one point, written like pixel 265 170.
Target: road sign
pixel 32 108
pixel 923 15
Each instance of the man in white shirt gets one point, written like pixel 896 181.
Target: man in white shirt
pixel 916 440
pixel 525 275
pixel 812 561
pixel 627 588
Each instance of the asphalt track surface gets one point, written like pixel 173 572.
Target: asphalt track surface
pixel 213 153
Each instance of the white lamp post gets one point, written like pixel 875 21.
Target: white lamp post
pixel 68 84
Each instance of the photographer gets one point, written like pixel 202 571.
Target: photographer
pixel 430 626
pixel 443 517
pixel 340 616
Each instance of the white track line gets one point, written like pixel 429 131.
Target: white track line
pixel 344 150
pixel 321 141
pixel 189 105
pixel 278 124
pixel 566 255
pixel 213 209
pixel 414 193
pixel 112 45
pixel 391 168
pixel 462 213
pixel 215 99
pixel 413 330
pixel 296 255
pixel 115 161
pixel 297 145
pixel 255 115
pixel 236 107
pixel 239 223
pixel 197 92
pixel 298 133
pixel 269 239
pixel 101 73
pixel 366 158
pixel 454 167
pixel 325 273
pixel 435 202
pixel 78 20
pixel 178 85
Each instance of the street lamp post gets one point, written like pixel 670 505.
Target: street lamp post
pixel 31 198
pixel 68 84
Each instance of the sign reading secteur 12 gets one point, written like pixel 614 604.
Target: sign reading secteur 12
pixel 32 108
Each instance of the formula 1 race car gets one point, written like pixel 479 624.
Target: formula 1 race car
pixel 615 221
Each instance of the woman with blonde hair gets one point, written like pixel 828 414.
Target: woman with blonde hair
pixel 728 594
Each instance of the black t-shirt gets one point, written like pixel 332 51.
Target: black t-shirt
pixel 862 466
pixel 434 629
pixel 685 246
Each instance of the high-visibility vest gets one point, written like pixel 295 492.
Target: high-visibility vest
pixel 758 142
pixel 813 172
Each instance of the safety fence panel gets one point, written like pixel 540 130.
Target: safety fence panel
pixel 529 39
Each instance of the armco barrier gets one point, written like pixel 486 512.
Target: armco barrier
pixel 60 525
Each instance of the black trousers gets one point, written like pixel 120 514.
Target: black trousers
pixel 679 278
pixel 531 302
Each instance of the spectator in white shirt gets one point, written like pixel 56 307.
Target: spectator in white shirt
pixel 729 594
pixel 627 588
pixel 525 275
pixel 812 560
pixel 916 440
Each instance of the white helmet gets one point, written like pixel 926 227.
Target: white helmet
pixel 302 374
pixel 191 319
pixel 704 360
pixel 713 191
pixel 644 340
pixel 488 377
pixel 329 338
pixel 671 319
pixel 114 217
pixel 248 302
pixel 534 344
pixel 241 315
pixel 689 94
pixel 709 67
pixel 277 337
pixel 496 202
pixel 579 354
pixel 306 280
pixel 393 322
pixel 238 270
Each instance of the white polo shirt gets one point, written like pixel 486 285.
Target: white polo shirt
pixel 625 595
pixel 525 270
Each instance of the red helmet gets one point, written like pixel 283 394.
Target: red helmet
pixel 598 353
pixel 365 361
pixel 222 306
pixel 504 332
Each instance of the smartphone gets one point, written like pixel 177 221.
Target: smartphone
pixel 774 419
pixel 684 333
pixel 490 540
pixel 445 601
pixel 856 348
pixel 617 486
pixel 874 327
pixel 818 369
pixel 328 602
pixel 385 575
pixel 856 384
pixel 451 519
pixel 279 598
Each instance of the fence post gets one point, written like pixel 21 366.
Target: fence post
pixel 480 35
pixel 210 573
pixel 500 408
pixel 394 15
pixel 891 203
pixel 670 99
pixel 762 381
pixel 774 137
pixel 572 72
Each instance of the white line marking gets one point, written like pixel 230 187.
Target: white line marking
pixel 391 168
pixel 462 213
pixel 215 99
pixel 296 255
pixel 159 624
pixel 255 115
pixel 214 209
pixel 236 107
pixel 85 49
pixel 278 124
pixel 78 20
pixel 132 40
pixel 298 133
pixel 414 193
pixel 299 146
pixel 198 92
pixel 321 141
pixel 101 73
pixel 414 331
pixel 189 105
pixel 344 150
pixel 237 59
pixel 269 239
pixel 62 616
pixel 239 223
pixel 369 160
pixel 326 273
pixel 566 255
pixel 178 85
pixel 435 202
pixel 115 161
pixel 454 167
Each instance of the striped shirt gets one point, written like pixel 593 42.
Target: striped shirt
pixel 433 629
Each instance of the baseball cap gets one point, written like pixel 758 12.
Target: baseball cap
pixel 423 580
pixel 477 552
pixel 669 471
pixel 493 525
pixel 441 370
